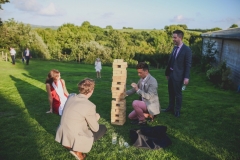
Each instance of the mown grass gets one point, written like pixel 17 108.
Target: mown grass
pixel 207 129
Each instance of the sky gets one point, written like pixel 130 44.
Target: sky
pixel 138 14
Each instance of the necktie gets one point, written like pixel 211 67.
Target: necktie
pixel 173 57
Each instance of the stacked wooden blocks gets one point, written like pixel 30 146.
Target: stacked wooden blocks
pixel 118 112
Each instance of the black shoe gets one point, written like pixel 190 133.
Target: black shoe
pixel 177 114
pixel 141 123
pixel 152 119
pixel 134 121
pixel 168 110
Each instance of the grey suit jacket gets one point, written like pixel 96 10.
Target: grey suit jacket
pixel 149 94
pixel 182 64
pixel 79 116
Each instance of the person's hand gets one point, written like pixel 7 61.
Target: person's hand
pixel 186 81
pixel 49 111
pixel 123 95
pixel 97 116
pixel 134 85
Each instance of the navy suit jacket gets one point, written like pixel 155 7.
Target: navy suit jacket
pixel 25 52
pixel 182 64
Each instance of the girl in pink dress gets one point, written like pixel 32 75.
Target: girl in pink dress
pixel 57 92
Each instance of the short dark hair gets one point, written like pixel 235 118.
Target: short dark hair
pixel 179 33
pixel 142 65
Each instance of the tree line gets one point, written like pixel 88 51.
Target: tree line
pixel 87 42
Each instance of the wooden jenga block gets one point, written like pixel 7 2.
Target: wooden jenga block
pixel 119 104
pixel 119 69
pixel 119 116
pixel 119 78
pixel 117 99
pixel 116 83
pixel 116 110
pixel 113 119
pixel 118 95
pixel 118 122
pixel 120 73
pixel 118 60
pixel 119 89
pixel 122 65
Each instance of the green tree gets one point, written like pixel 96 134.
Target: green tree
pixel 20 36
pixel 234 26
pixel 109 27
pixel 3 2
pixel 184 26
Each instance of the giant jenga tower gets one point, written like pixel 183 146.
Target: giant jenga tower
pixel 118 112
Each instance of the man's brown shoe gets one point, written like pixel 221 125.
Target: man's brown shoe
pixel 78 155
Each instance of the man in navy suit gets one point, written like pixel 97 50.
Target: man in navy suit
pixel 27 56
pixel 177 72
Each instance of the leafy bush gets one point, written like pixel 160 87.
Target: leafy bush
pixel 208 58
pixel 214 75
pixel 220 75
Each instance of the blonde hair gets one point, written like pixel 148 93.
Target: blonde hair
pixel 86 86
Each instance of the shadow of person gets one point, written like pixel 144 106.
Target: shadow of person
pixel 26 75
pixel 16 131
pixel 36 104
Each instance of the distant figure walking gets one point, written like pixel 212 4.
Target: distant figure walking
pixel 23 58
pixel 98 67
pixel 57 92
pixel 13 54
pixel 27 56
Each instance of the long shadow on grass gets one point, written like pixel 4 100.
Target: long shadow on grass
pixel 33 99
pixel 16 132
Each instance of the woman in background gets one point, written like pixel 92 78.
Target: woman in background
pixel 79 126
pixel 57 92
pixel 98 67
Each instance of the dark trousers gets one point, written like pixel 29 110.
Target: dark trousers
pixel 175 93
pixel 13 59
pixel 99 134
pixel 27 59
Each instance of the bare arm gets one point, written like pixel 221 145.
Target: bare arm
pixel 50 99
pixel 64 87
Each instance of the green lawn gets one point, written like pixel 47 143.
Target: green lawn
pixel 207 129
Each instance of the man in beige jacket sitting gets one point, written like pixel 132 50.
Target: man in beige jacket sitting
pixel 79 126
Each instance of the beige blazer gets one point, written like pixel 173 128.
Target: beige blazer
pixel 79 116
pixel 149 93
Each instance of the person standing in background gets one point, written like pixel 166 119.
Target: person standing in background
pixel 13 54
pixel 177 72
pixel 98 67
pixel 23 58
pixel 27 56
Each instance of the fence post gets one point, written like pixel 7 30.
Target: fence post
pixel 2 56
pixel 6 57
